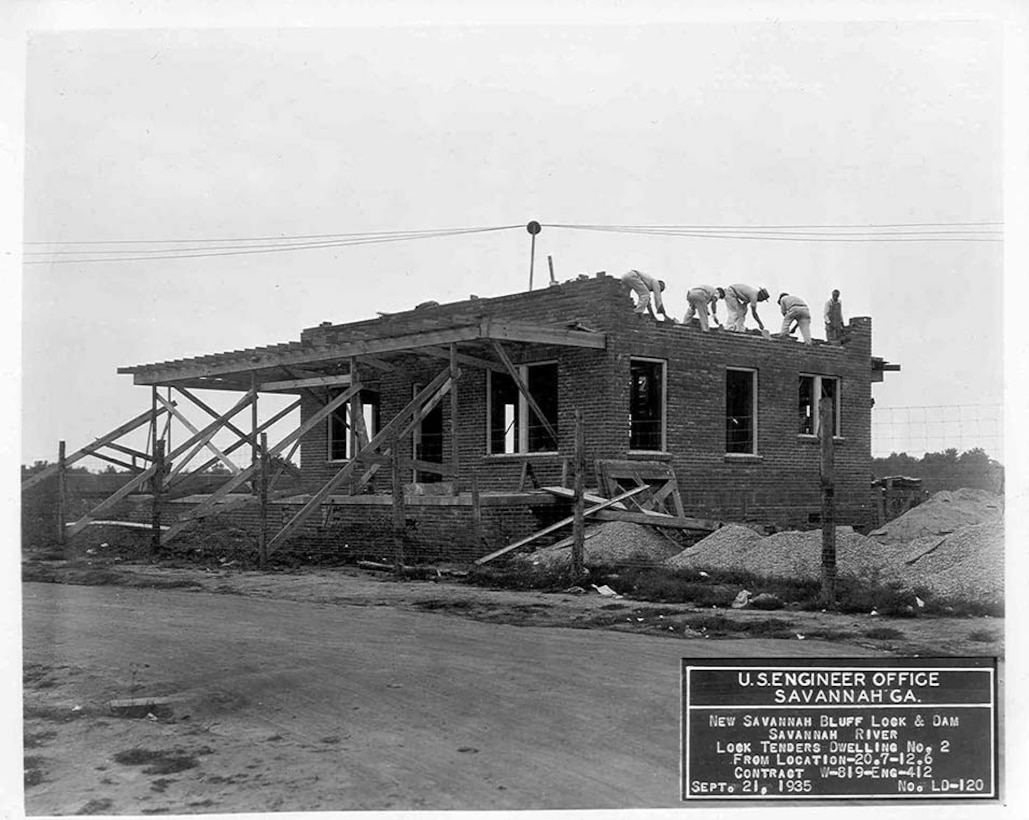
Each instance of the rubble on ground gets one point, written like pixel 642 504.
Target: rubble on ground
pixel 944 513
pixel 725 548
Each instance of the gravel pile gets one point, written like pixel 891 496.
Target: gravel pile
pixel 969 563
pixel 943 513
pixel 792 554
pixel 725 548
pixel 613 542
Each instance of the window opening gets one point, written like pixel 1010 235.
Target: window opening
pixel 339 424
pixel 740 411
pixel 646 405
pixel 513 426
pixel 812 390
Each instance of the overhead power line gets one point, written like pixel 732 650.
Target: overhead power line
pixel 285 244
pixel 89 251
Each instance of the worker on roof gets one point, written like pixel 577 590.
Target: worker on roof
pixel 644 285
pixel 737 297
pixel 795 314
pixel 833 315
pixel 700 299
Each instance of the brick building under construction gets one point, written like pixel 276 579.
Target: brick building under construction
pixel 471 407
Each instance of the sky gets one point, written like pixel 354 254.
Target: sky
pixel 207 134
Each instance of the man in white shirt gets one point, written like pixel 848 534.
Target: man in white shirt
pixel 737 297
pixel 700 298
pixel 795 313
pixel 644 285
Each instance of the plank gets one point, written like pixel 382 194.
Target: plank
pixel 659 520
pixel 589 511
pixel 498 329
pixel 296 384
pixel 566 492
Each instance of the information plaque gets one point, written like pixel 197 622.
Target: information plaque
pixel 822 728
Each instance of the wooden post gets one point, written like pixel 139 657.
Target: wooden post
pixel 255 446
pixel 262 557
pixel 62 492
pixel 355 408
pixel 550 261
pixel 156 489
pixel 398 507
pixel 476 512
pixel 828 485
pixel 455 432
pixel 578 523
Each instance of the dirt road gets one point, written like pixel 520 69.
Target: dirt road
pixel 290 706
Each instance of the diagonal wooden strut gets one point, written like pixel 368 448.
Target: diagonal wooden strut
pixel 524 390
pixel 207 506
pixel 170 407
pixel 414 410
pixel 92 447
pixel 235 446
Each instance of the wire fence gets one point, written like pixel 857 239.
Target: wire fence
pixel 936 428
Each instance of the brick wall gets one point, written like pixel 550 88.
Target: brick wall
pixel 779 485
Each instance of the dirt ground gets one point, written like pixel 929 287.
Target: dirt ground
pixel 336 689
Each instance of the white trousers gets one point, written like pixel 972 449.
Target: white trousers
pixel 737 313
pixel 803 317
pixel 698 300
pixel 634 281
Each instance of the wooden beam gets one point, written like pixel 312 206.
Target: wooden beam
pixel 296 384
pixel 589 511
pixel 91 448
pixel 245 361
pixel 455 427
pixel 201 437
pixel 565 492
pixel 378 364
pixel 129 450
pixel 321 354
pixel 499 329
pixel 131 468
pixel 128 487
pixel 463 358
pixel 524 389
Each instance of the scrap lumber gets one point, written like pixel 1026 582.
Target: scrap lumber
pixel 564 522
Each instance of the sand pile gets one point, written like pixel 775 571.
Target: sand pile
pixel 945 512
pixel 612 542
pixel 792 554
pixel 968 563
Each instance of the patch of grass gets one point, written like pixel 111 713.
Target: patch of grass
pixel 883 633
pixel 101 805
pixel 615 606
pixel 156 761
pixel 983 636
